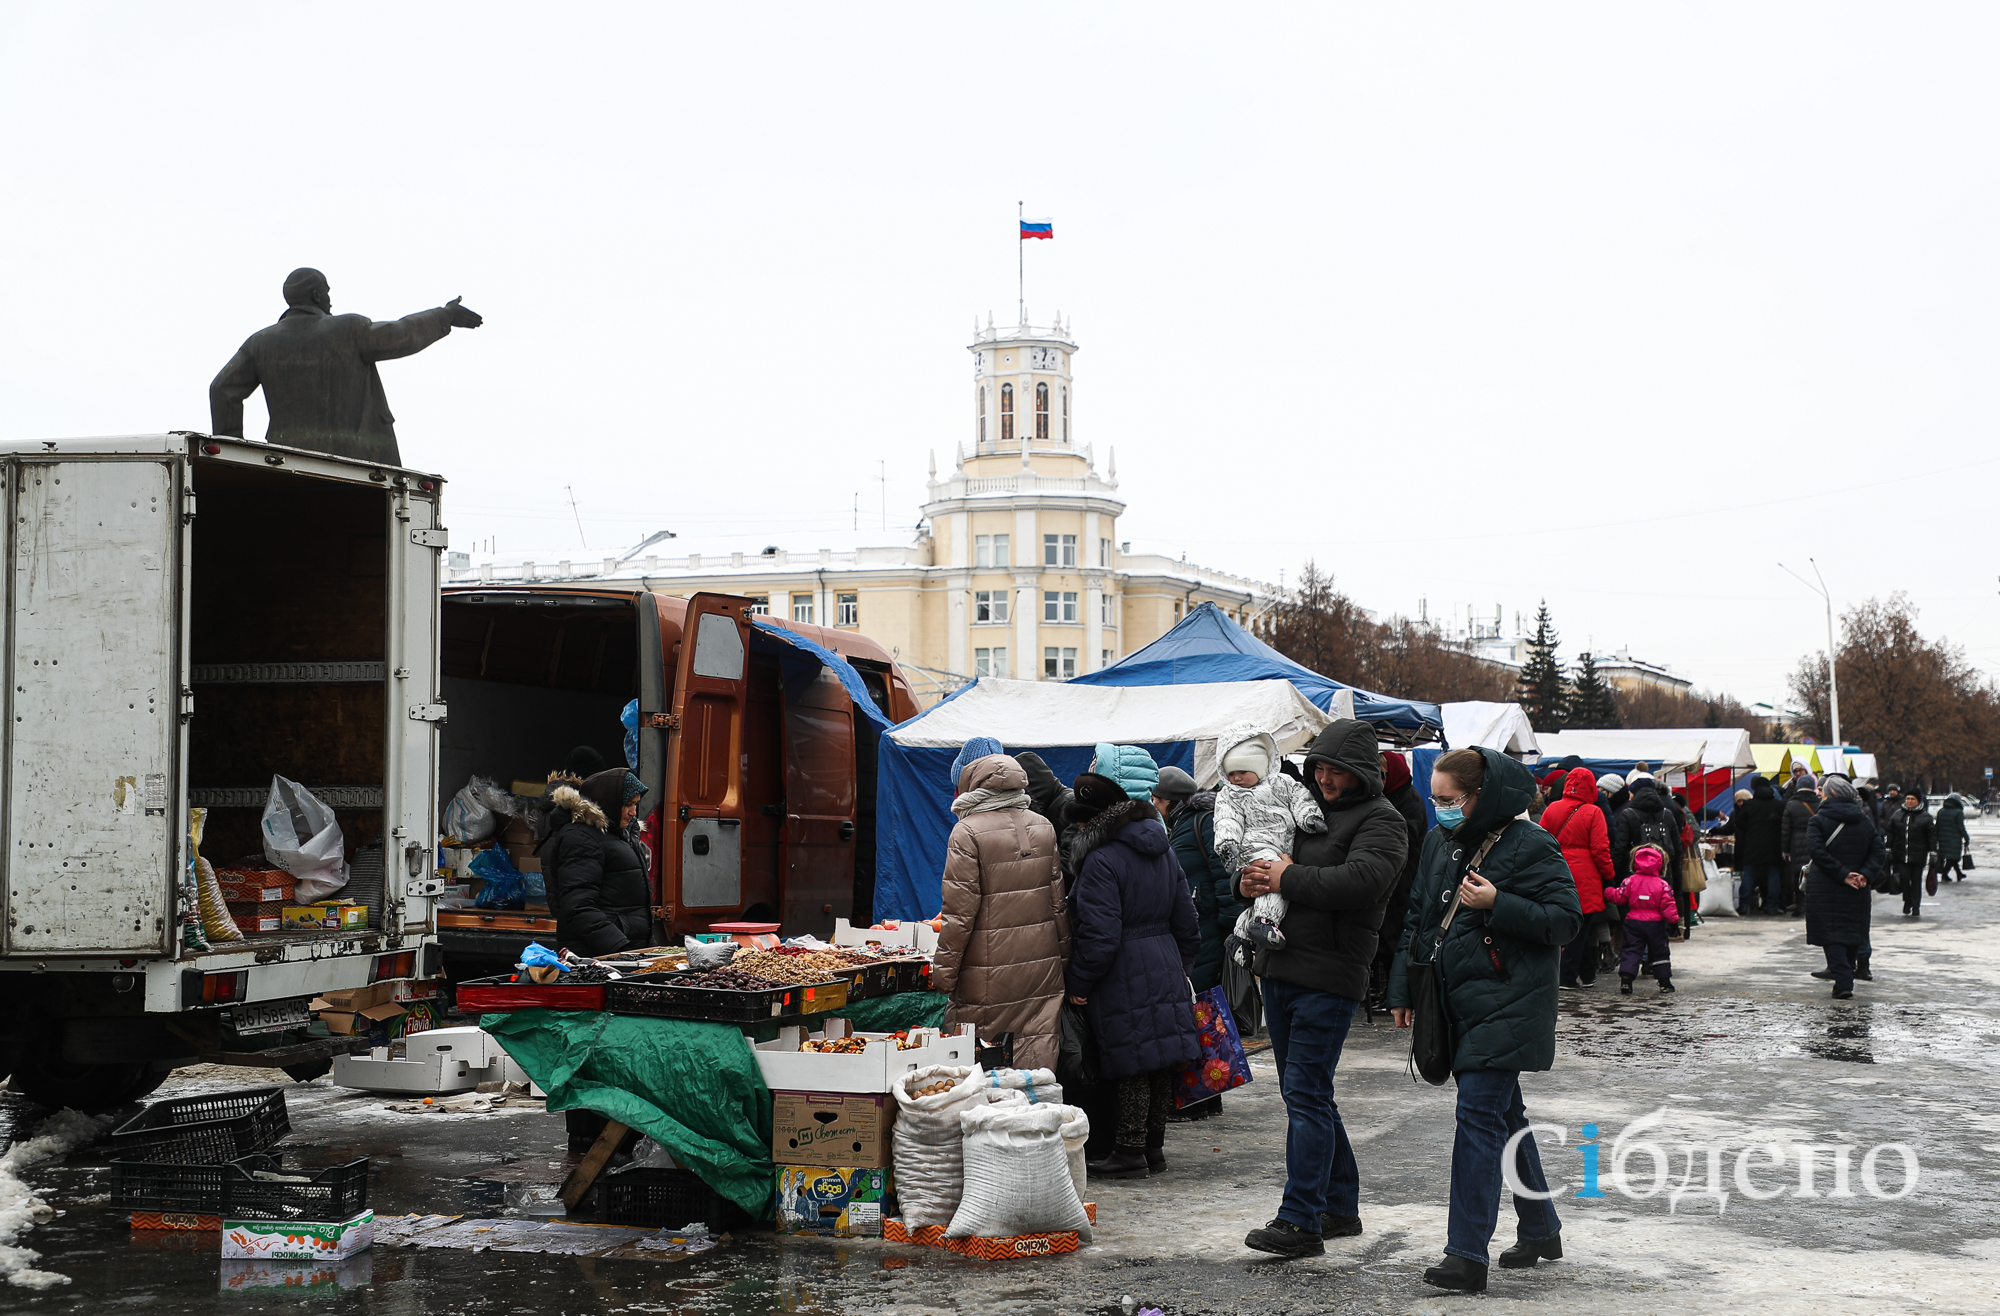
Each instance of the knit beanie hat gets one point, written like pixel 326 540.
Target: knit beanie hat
pixel 1395 771
pixel 1247 757
pixel 1174 785
pixel 978 747
pixel 1611 783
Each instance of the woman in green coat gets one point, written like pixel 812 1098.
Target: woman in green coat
pixel 1952 839
pixel 1499 963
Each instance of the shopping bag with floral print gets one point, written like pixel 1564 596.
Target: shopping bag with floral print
pixel 1221 1065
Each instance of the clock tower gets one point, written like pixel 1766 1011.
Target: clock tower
pixel 1025 525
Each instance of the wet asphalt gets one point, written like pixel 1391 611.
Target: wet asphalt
pixel 1751 1051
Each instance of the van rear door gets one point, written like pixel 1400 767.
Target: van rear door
pixel 94 737
pixel 704 791
pixel 416 705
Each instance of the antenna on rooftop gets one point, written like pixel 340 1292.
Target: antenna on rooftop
pixel 578 515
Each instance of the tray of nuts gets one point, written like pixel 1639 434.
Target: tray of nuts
pixel 726 995
pixel 866 975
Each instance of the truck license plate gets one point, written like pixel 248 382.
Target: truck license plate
pixel 266 1017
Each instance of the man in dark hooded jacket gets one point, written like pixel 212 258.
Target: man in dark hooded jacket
pixel 1338 884
pixel 1758 826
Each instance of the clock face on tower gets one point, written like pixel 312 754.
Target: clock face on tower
pixel 1042 358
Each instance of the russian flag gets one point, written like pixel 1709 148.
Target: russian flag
pixel 1038 228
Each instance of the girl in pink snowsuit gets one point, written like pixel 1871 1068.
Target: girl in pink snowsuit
pixel 1649 912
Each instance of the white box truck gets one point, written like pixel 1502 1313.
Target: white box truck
pixel 185 617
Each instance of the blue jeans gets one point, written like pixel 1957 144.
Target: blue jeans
pixel 1489 1112
pixel 1308 1028
pixel 1774 887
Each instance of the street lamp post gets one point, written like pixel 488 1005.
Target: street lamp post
pixel 1832 680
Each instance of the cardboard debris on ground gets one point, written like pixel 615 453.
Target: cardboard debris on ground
pixel 555 1238
pixel 466 1103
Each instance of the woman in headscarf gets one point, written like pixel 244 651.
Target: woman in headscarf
pixel 1846 850
pixel 1005 933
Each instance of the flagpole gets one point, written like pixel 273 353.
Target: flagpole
pixel 1021 258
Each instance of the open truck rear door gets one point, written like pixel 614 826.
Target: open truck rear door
pixel 417 544
pixel 704 754
pixel 93 796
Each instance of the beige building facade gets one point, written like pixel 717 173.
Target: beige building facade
pixel 1016 569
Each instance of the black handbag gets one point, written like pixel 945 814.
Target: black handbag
pixel 1076 1054
pixel 1431 1043
pixel 1246 998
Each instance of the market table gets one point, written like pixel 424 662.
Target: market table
pixel 694 1088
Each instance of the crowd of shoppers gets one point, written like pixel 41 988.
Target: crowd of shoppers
pixel 1122 896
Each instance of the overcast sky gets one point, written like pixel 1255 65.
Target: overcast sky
pixel 1618 305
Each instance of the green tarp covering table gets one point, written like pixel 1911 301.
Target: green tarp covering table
pixel 694 1088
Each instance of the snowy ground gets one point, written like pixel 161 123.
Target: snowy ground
pixel 1750 1052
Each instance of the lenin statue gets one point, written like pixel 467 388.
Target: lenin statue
pixel 317 370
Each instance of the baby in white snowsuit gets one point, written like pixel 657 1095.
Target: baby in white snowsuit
pixel 1256 813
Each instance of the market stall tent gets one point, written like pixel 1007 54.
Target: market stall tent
pixel 1504 727
pixel 1773 761
pixel 1206 647
pixel 1716 747
pixel 1063 723
pixel 1662 753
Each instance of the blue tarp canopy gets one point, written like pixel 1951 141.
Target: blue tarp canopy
pixel 1206 647
pixel 1064 722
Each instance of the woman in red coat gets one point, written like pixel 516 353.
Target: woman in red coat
pixel 1578 826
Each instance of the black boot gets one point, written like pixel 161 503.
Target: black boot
pixel 1624 985
pixel 1861 970
pixel 1125 1163
pixel 1528 1251
pixel 1666 985
pixel 1156 1152
pixel 1825 975
pixel 1457 1273
pixel 1338 1226
pixel 1284 1239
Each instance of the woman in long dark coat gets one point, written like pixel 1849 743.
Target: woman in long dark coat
pixel 1134 938
pixel 1847 850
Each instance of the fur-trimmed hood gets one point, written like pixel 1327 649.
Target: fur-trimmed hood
pixel 1111 825
pixel 568 799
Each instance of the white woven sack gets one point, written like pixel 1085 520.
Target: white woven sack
pixel 928 1143
pixel 1719 897
pixel 1038 1085
pixel 1017 1178
pixel 1075 1134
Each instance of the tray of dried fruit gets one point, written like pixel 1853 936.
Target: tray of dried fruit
pixel 748 991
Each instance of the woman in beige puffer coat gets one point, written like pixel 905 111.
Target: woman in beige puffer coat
pixel 1005 935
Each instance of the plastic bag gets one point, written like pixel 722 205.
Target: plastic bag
pixel 709 954
pixel 505 886
pixel 535 955
pixel 1017 1175
pixel 471 816
pixel 302 837
pixel 628 717
pixel 929 1143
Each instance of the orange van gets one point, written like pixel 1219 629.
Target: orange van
pixel 758 762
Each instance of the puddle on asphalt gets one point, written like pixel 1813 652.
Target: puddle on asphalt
pixel 1647 1033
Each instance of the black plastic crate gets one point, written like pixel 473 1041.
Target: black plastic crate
pixel 660 996
pixel 658 1198
pixel 208 1130
pixel 339 1192
pixel 144 1186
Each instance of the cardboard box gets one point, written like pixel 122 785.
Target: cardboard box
pixel 532 789
pixel 840 1201
pixel 917 936
pixel 353 1273
pixel 297 1240
pixel 989 1249
pixel 258 885
pixel 359 1023
pixel 876 1069
pixel 355 998
pixel 832 1129
pixel 255 924
pixel 327 914
pixel 515 831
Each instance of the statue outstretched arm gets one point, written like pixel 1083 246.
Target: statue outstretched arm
pixel 388 339
pixel 237 381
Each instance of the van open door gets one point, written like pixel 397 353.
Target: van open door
pixel 817 870
pixel 95 718
pixel 703 829
pixel 416 543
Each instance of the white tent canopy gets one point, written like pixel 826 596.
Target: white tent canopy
pixel 1504 727
pixel 1035 714
pixel 1714 747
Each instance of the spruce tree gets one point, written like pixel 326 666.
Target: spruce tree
pixel 1542 694
pixel 1593 704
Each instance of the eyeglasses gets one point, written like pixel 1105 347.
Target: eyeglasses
pixel 1448 802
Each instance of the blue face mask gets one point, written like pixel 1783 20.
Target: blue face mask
pixel 1450 818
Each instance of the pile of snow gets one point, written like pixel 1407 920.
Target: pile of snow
pixel 20 1209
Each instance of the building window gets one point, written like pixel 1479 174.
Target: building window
pixel 1042 412
pixel 1107 660
pixel 1103 552
pixel 982 415
pixel 989 551
pixel 760 604
pixel 1065 405
pixel 802 608
pixel 989 662
pixel 850 609
pixel 1058 550
pixel 989 605
pixel 1107 609
pixel 1059 664
pixel 1059 605
pixel 1006 413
